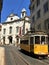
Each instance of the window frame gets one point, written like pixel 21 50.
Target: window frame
pixel 38 13
pixel 45 7
pixel 37 2
pixel 4 31
pixel 10 29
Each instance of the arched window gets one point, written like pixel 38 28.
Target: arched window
pixel 10 30
pixel 17 29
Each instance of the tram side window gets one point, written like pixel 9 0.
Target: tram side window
pixel 37 40
pixel 21 41
pixel 24 41
pixel 46 40
pixel 43 39
pixel 31 40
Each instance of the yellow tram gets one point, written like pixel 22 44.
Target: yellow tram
pixel 35 42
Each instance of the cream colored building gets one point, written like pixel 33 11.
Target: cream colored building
pixel 0 32
pixel 14 27
pixel 39 10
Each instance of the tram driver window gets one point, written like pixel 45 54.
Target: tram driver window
pixel 46 41
pixel 37 40
pixel 43 40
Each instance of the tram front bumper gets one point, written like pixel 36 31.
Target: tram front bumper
pixel 41 53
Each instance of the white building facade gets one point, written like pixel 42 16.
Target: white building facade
pixel 0 32
pixel 14 27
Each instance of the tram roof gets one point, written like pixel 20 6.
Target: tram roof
pixel 36 33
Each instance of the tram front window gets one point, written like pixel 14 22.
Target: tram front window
pixel 37 39
pixel 46 40
pixel 43 40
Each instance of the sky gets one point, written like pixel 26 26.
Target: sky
pixel 14 6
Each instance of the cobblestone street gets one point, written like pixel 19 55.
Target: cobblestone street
pixel 11 55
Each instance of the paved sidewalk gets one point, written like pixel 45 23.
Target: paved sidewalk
pixel 2 56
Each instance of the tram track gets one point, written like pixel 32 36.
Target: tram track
pixel 46 61
pixel 9 57
pixel 22 60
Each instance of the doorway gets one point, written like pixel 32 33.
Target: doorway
pixel 10 39
pixel 3 40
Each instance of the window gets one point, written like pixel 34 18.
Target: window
pixel 22 14
pixel 38 2
pixel 48 26
pixel 43 39
pixel 24 41
pixel 32 0
pixel 38 14
pixel 46 41
pixel 11 18
pixel 4 31
pixel 37 40
pixel 39 26
pixel 4 40
pixel 33 19
pixel 17 29
pixel 10 30
pixel 0 27
pixel 33 8
pixel 31 40
pixel 45 7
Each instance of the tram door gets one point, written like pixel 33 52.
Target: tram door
pixel 31 43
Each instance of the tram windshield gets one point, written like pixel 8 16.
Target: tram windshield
pixel 46 40
pixel 37 39
pixel 43 39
